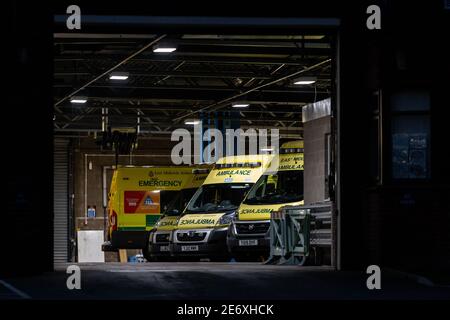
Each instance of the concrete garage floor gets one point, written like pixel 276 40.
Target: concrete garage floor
pixel 207 280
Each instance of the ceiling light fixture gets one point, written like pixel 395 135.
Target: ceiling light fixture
pixel 304 80
pixel 119 76
pixel 164 48
pixel 77 99
pixel 191 122
pixel 240 104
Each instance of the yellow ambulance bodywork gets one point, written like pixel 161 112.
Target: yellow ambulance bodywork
pixel 138 196
pixel 225 172
pixel 287 162
pixel 249 232
pixel 211 225
pixel 169 222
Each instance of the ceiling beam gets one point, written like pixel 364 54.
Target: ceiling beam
pixel 203 96
pixel 288 109
pixel 123 61
pixel 167 88
pixel 177 74
pixel 220 103
pixel 193 59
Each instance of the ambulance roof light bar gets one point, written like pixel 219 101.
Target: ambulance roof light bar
pixel 238 165
pixel 291 150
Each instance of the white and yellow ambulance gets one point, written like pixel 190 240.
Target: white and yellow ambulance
pixel 248 236
pixel 158 241
pixel 138 197
pixel 202 228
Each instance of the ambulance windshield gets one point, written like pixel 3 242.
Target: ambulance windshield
pixel 281 187
pixel 218 197
pixel 179 202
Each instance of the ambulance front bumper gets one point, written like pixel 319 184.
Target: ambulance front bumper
pixel 159 245
pixel 244 240
pixel 199 242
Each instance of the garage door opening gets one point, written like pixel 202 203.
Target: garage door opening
pixel 119 96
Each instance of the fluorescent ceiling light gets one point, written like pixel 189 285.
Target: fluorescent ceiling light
pixel 75 99
pixel 119 76
pixel 164 48
pixel 240 105
pixel 305 80
pixel 266 149
pixel 192 122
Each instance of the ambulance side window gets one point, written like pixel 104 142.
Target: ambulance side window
pixel 259 191
pixel 271 184
pixel 166 197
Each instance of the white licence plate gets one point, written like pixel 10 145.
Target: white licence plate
pixel 248 242
pixel 189 248
pixel 164 248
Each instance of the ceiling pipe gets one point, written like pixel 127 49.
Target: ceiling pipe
pixel 111 69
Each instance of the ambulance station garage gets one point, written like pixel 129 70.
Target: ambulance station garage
pixel 151 193
pixel 123 101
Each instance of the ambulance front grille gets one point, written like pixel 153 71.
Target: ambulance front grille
pixel 191 236
pixel 252 228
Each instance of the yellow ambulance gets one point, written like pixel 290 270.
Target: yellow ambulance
pixel 202 228
pixel 248 236
pixel 138 197
pixel 158 242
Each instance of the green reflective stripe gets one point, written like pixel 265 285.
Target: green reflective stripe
pixel 151 219
pixel 131 228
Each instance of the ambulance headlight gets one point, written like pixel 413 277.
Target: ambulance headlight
pixel 226 218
